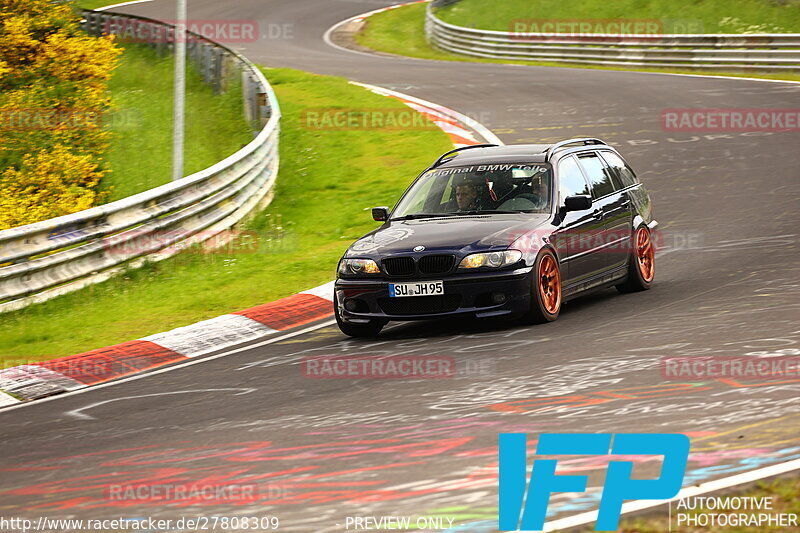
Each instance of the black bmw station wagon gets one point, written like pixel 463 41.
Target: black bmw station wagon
pixel 493 231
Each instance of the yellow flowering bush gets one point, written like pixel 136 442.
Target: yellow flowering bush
pixel 47 184
pixel 53 97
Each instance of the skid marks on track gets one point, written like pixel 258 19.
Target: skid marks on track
pixel 357 464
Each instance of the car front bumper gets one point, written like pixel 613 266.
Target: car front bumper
pixel 472 294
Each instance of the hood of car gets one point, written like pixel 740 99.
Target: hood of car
pixel 466 233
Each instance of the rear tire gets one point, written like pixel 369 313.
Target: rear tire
pixel 546 297
pixel 370 330
pixel 641 262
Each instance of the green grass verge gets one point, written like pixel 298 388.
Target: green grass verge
pixel 783 492
pixel 401 31
pixel 327 180
pixel 696 16
pixel 140 156
pixel 94 4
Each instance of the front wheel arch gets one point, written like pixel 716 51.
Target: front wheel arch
pixel 546 291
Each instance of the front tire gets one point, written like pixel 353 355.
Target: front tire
pixel 546 297
pixel 641 264
pixel 370 330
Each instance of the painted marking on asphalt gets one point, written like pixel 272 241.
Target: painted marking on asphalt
pixel 689 492
pixel 707 76
pixel 211 335
pixel 568 126
pixel 80 414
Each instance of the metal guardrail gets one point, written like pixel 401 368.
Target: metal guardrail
pixel 52 257
pixel 708 51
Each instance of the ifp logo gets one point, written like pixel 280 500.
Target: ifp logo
pixel 618 484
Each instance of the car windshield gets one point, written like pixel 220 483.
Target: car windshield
pixel 478 189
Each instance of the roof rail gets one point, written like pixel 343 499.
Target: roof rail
pixel 586 141
pixel 438 161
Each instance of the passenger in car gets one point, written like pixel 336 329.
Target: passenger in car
pixel 539 192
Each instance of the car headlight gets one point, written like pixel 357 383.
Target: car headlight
pixel 491 259
pixel 358 266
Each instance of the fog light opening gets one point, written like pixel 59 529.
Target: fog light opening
pixel 499 297
pixel 351 305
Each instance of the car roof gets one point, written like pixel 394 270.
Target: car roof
pixel 513 153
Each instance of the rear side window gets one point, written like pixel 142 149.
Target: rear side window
pixel 570 179
pixel 623 171
pixel 598 173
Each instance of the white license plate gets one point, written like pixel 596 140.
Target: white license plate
pixel 427 288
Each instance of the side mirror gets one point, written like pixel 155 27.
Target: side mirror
pixel 577 203
pixel 380 214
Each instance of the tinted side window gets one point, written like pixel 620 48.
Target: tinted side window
pixel 625 173
pixel 570 179
pixel 598 173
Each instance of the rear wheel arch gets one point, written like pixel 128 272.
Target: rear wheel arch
pixel 640 273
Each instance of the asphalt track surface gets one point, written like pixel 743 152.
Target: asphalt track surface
pixel 322 450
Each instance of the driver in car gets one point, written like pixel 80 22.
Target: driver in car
pixel 467 196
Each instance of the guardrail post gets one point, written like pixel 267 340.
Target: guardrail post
pixel 249 111
pixel 217 75
pixel 164 41
pixel 264 109
pixel 208 59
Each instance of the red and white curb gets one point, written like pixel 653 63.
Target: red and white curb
pixel 361 17
pixel 6 399
pixel 74 372
pixel 461 129
pixel 38 380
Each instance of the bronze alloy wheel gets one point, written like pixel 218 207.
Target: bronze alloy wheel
pixel 645 254
pixel 550 284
